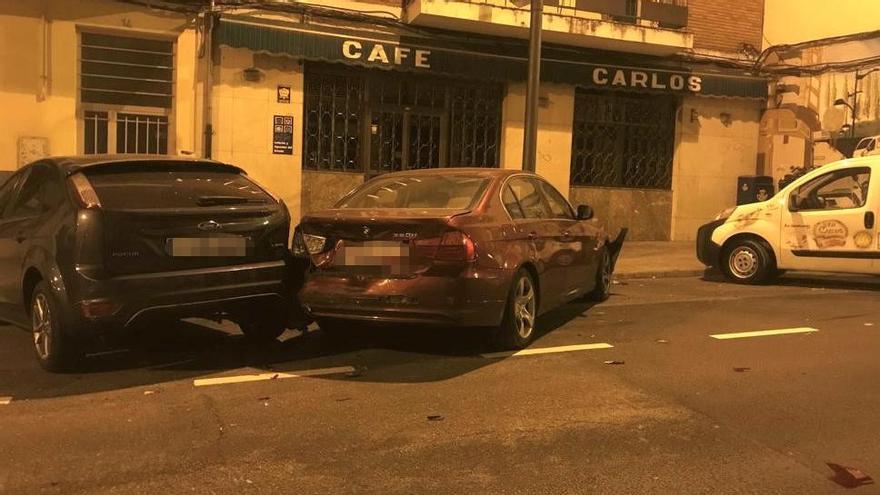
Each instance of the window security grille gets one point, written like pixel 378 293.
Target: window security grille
pixel 623 140
pixel 377 122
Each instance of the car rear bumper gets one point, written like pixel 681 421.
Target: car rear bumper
pixel 233 289
pixel 707 251
pixel 473 298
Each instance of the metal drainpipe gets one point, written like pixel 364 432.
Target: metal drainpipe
pixel 211 19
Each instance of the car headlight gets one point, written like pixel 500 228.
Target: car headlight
pixel 725 214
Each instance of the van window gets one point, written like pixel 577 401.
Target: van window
pixel 838 190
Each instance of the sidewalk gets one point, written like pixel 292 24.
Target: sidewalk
pixel 646 259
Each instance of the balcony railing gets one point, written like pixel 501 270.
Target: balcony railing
pixel 669 14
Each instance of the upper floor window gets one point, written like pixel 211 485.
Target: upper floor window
pixel 126 92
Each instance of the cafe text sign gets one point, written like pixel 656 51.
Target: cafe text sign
pixel 386 54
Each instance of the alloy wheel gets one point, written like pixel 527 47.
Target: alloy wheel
pixel 524 308
pixel 41 319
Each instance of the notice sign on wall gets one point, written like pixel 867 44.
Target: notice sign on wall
pixel 282 135
pixel 283 94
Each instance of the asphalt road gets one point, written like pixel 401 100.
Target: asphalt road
pixel 425 412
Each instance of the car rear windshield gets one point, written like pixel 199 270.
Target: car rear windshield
pixel 425 191
pixel 173 185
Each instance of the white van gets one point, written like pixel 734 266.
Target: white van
pixel 824 221
pixel 867 146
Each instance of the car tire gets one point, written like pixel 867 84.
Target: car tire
pixel 262 331
pixel 54 349
pixel 517 329
pixel 602 290
pixel 748 261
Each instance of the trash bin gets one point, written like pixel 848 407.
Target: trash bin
pixel 753 188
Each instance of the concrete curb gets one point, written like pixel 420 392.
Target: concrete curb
pixel 660 274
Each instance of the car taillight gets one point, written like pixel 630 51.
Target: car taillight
pixel 453 246
pixel 84 191
pixel 307 244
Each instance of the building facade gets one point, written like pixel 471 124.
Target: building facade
pixel 825 95
pixel 314 98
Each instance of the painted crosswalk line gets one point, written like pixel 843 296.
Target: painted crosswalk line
pixel 548 350
pixel 763 333
pixel 226 380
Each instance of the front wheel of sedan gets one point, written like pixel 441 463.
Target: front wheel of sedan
pixel 517 329
pixel 602 290
pixel 54 349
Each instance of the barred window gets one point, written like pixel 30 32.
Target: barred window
pixel 623 140
pixel 334 106
pixel 359 120
pixel 126 93
pixel 475 126
pixel 121 70
pixel 141 134
pixel 95 133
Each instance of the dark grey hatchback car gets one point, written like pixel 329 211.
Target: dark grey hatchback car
pixel 92 245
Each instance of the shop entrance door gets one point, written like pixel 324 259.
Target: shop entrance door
pixel 406 138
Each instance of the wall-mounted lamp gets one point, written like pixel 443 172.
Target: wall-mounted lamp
pixel 252 74
pixel 726 119
pixel 695 115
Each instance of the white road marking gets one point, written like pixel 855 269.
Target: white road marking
pixel 547 350
pixel 224 380
pixel 763 333
pixel 4 401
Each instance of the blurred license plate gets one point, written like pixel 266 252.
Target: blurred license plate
pixel 207 246
pixel 373 253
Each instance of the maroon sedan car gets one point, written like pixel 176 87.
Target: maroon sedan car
pixel 453 246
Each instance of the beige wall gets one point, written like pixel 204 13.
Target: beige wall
pixel 555 118
pixel 242 118
pixel 646 213
pixel 35 108
pixel 709 156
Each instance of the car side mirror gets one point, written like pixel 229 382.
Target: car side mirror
pixel 584 212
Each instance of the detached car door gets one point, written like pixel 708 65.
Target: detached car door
pixel 830 223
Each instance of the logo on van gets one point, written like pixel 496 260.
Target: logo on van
pixel 830 233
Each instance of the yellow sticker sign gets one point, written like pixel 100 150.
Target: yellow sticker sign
pixel 863 239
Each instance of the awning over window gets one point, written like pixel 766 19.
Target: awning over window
pixel 504 60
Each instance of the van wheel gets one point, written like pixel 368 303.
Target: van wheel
pixel 748 262
pixel 517 329
pixel 53 347
pixel 262 330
